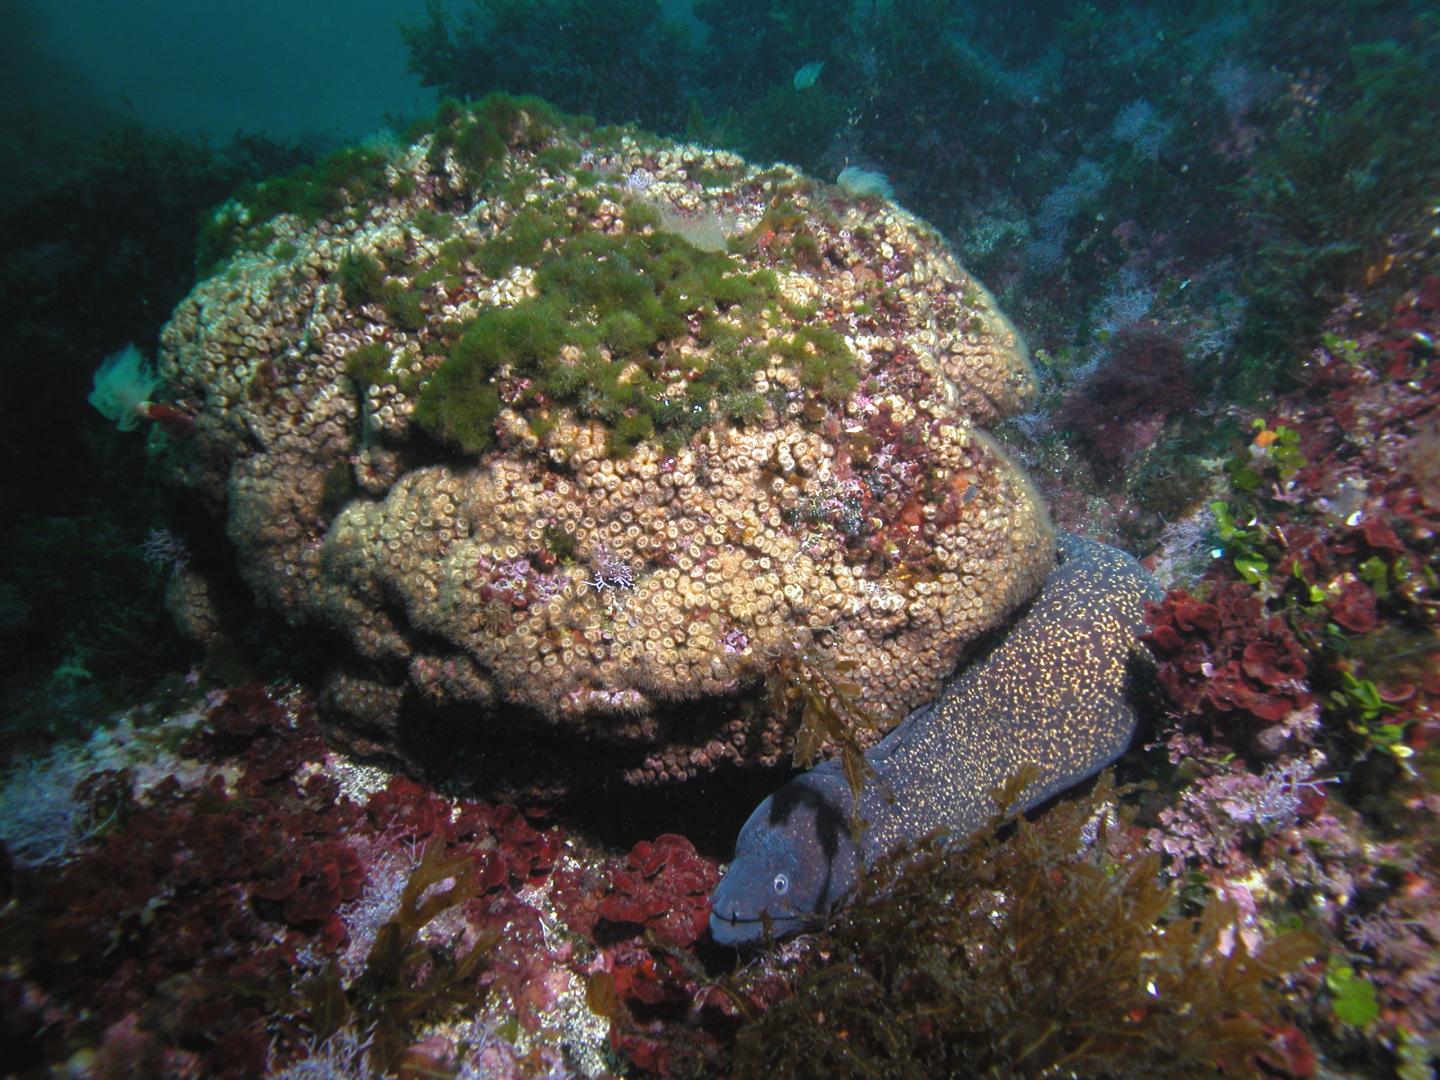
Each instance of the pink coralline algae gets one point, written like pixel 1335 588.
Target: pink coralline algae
pixel 1321 665
pixel 195 890
pixel 308 887
pixel 646 914
pixel 664 889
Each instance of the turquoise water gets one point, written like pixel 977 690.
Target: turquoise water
pixel 274 68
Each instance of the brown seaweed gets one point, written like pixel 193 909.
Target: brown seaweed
pixel 1037 949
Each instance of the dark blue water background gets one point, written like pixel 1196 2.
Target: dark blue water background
pixel 278 67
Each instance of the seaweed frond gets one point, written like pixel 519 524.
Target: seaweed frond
pixel 1035 950
pixel 407 981
pixel 831 712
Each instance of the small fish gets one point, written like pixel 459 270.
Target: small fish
pixel 808 75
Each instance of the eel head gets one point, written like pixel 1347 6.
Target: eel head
pixel 794 861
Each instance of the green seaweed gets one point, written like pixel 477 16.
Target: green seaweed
pixel 459 405
pixel 640 216
pixel 481 136
pixel 222 233
pixel 354 176
pixel 454 253
pixel 404 306
pixel 558 159
pixel 1037 949
pixel 1359 702
pixel 804 250
pixel 478 146
pixel 1247 547
pixel 361 278
pixel 1277 457
pixel 523 241
pixel 345 183
pixel 614 299
pixel 1352 997
pixel 628 432
pixel 430 223
pixel 369 364
pixel 332 188
pixel 744 408
pixel 825 363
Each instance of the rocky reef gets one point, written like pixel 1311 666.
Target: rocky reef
pixel 568 429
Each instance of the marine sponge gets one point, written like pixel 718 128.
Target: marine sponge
pixel 779 445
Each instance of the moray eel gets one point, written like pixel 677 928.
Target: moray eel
pixel 1054 693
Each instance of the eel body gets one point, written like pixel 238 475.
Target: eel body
pixel 1053 694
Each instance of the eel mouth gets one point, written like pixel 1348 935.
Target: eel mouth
pixel 736 931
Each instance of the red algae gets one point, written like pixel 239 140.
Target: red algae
pixel 212 928
pixel 1302 676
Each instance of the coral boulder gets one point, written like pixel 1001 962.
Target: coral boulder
pixel 571 431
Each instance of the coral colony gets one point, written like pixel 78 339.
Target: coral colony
pixel 597 450
pixel 529 494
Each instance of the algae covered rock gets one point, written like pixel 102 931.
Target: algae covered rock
pixel 571 430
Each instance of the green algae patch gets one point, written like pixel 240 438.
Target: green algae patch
pixel 459 406
pixel 825 364
pixel 343 185
pixel 430 223
pixel 369 364
pixel 481 136
pixel 361 278
pixel 405 307
pixel 595 336
pixel 332 188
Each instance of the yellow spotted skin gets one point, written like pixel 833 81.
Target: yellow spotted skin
pixel 1054 694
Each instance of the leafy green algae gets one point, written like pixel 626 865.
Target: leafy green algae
pixel 591 337
pixel 1035 950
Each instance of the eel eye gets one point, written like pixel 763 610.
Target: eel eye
pixel 781 884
